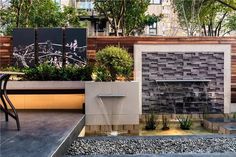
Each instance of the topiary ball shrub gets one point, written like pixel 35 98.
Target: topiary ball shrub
pixel 115 61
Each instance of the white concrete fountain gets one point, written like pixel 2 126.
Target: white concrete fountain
pixel 112 107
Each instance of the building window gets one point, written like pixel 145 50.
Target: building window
pixel 153 29
pixel 58 1
pixel 155 1
pixel 100 26
pixel 85 4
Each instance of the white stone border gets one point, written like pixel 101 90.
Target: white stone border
pixel 226 48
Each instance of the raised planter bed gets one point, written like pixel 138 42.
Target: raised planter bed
pixel 228 129
pixel 47 94
pixel 214 124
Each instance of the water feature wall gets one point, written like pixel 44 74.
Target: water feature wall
pixel 196 82
pixel 179 78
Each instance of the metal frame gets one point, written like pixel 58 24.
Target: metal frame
pixel 6 101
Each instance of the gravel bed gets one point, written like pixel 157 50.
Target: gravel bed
pixel 151 145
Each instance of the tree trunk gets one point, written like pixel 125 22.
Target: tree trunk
pixel 18 17
pixel 116 32
pixel 204 30
pixel 123 18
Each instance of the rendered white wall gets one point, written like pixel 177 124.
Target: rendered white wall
pixel 112 110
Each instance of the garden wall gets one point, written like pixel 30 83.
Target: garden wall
pixel 96 43
pixel 5 50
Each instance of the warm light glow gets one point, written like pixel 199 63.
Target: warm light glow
pixel 48 101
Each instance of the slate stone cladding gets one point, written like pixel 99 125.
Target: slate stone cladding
pixel 183 97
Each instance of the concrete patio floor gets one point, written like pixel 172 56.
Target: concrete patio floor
pixel 42 134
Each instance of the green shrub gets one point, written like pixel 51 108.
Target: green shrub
pixel 165 122
pixel 42 72
pixel 31 74
pixel 150 122
pixel 185 122
pixel 115 62
pixel 205 112
pixel 102 74
pixel 48 72
pixel 11 68
pixel 85 73
pixel 73 72
pixel 234 115
pixel 69 72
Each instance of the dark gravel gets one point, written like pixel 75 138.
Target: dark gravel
pixel 152 145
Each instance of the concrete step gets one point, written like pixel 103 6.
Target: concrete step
pixel 228 129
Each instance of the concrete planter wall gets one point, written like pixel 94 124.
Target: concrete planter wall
pixel 44 85
pixel 112 106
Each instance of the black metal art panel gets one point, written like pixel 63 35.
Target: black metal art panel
pixel 50 45
pixel 23 47
pixel 75 46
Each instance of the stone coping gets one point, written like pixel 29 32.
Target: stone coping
pixel 158 137
pixel 229 127
pixel 11 73
pixel 44 85
pixel 221 120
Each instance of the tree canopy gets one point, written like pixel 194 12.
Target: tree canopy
pixel 206 17
pixel 229 3
pixel 126 15
pixel 36 13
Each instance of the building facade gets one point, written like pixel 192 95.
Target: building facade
pixel 97 26
pixel 168 25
